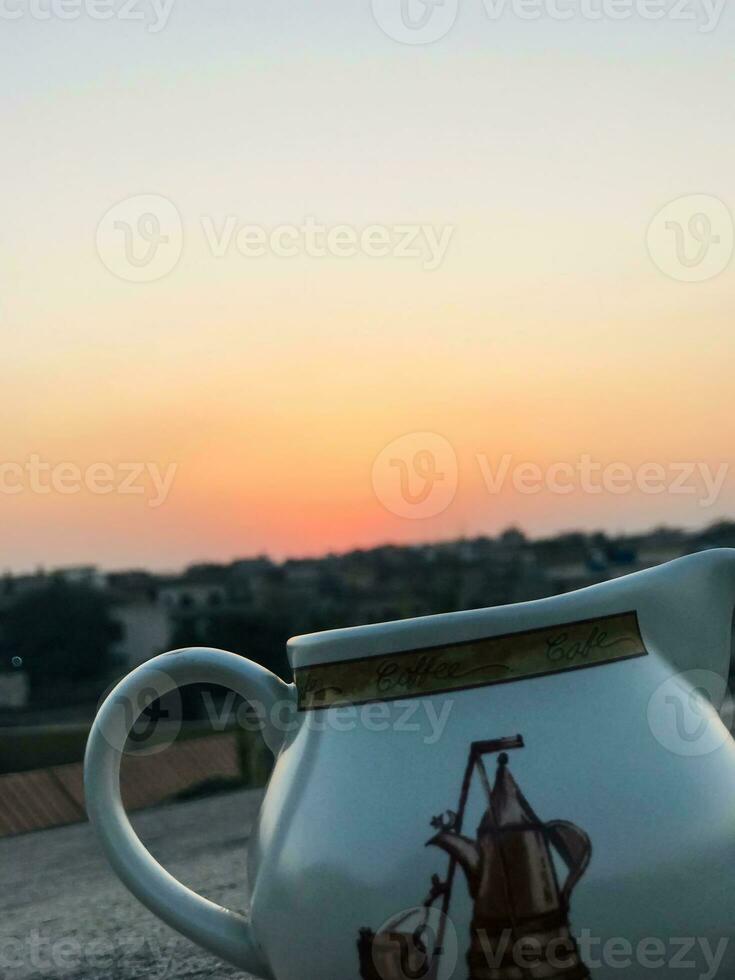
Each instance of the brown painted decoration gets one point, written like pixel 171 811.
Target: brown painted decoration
pixel 476 663
pixel 520 922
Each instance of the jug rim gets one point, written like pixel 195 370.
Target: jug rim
pixel 611 597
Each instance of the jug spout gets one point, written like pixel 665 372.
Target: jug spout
pixel 464 851
pixel 687 608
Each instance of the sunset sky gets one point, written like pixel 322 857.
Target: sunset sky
pixel 272 384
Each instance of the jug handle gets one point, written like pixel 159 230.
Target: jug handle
pixel 575 848
pixel 223 932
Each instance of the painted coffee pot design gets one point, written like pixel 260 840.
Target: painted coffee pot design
pixel 510 871
pixel 520 920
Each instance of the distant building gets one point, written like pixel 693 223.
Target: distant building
pixel 266 601
pixel 189 597
pixel 14 688
pixel 146 630
pixel 88 575
pixel 661 546
pixel 248 566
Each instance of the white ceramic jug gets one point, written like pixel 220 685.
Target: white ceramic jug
pixel 573 782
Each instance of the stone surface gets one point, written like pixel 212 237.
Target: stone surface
pixel 65 916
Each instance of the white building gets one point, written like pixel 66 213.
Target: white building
pixel 146 626
pixel 14 689
pixel 191 596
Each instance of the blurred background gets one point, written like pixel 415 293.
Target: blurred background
pixel 321 314
pixel 68 634
pixel 324 314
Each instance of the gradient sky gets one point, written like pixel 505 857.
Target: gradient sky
pixel 274 383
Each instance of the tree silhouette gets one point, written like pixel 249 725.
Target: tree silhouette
pixel 64 634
